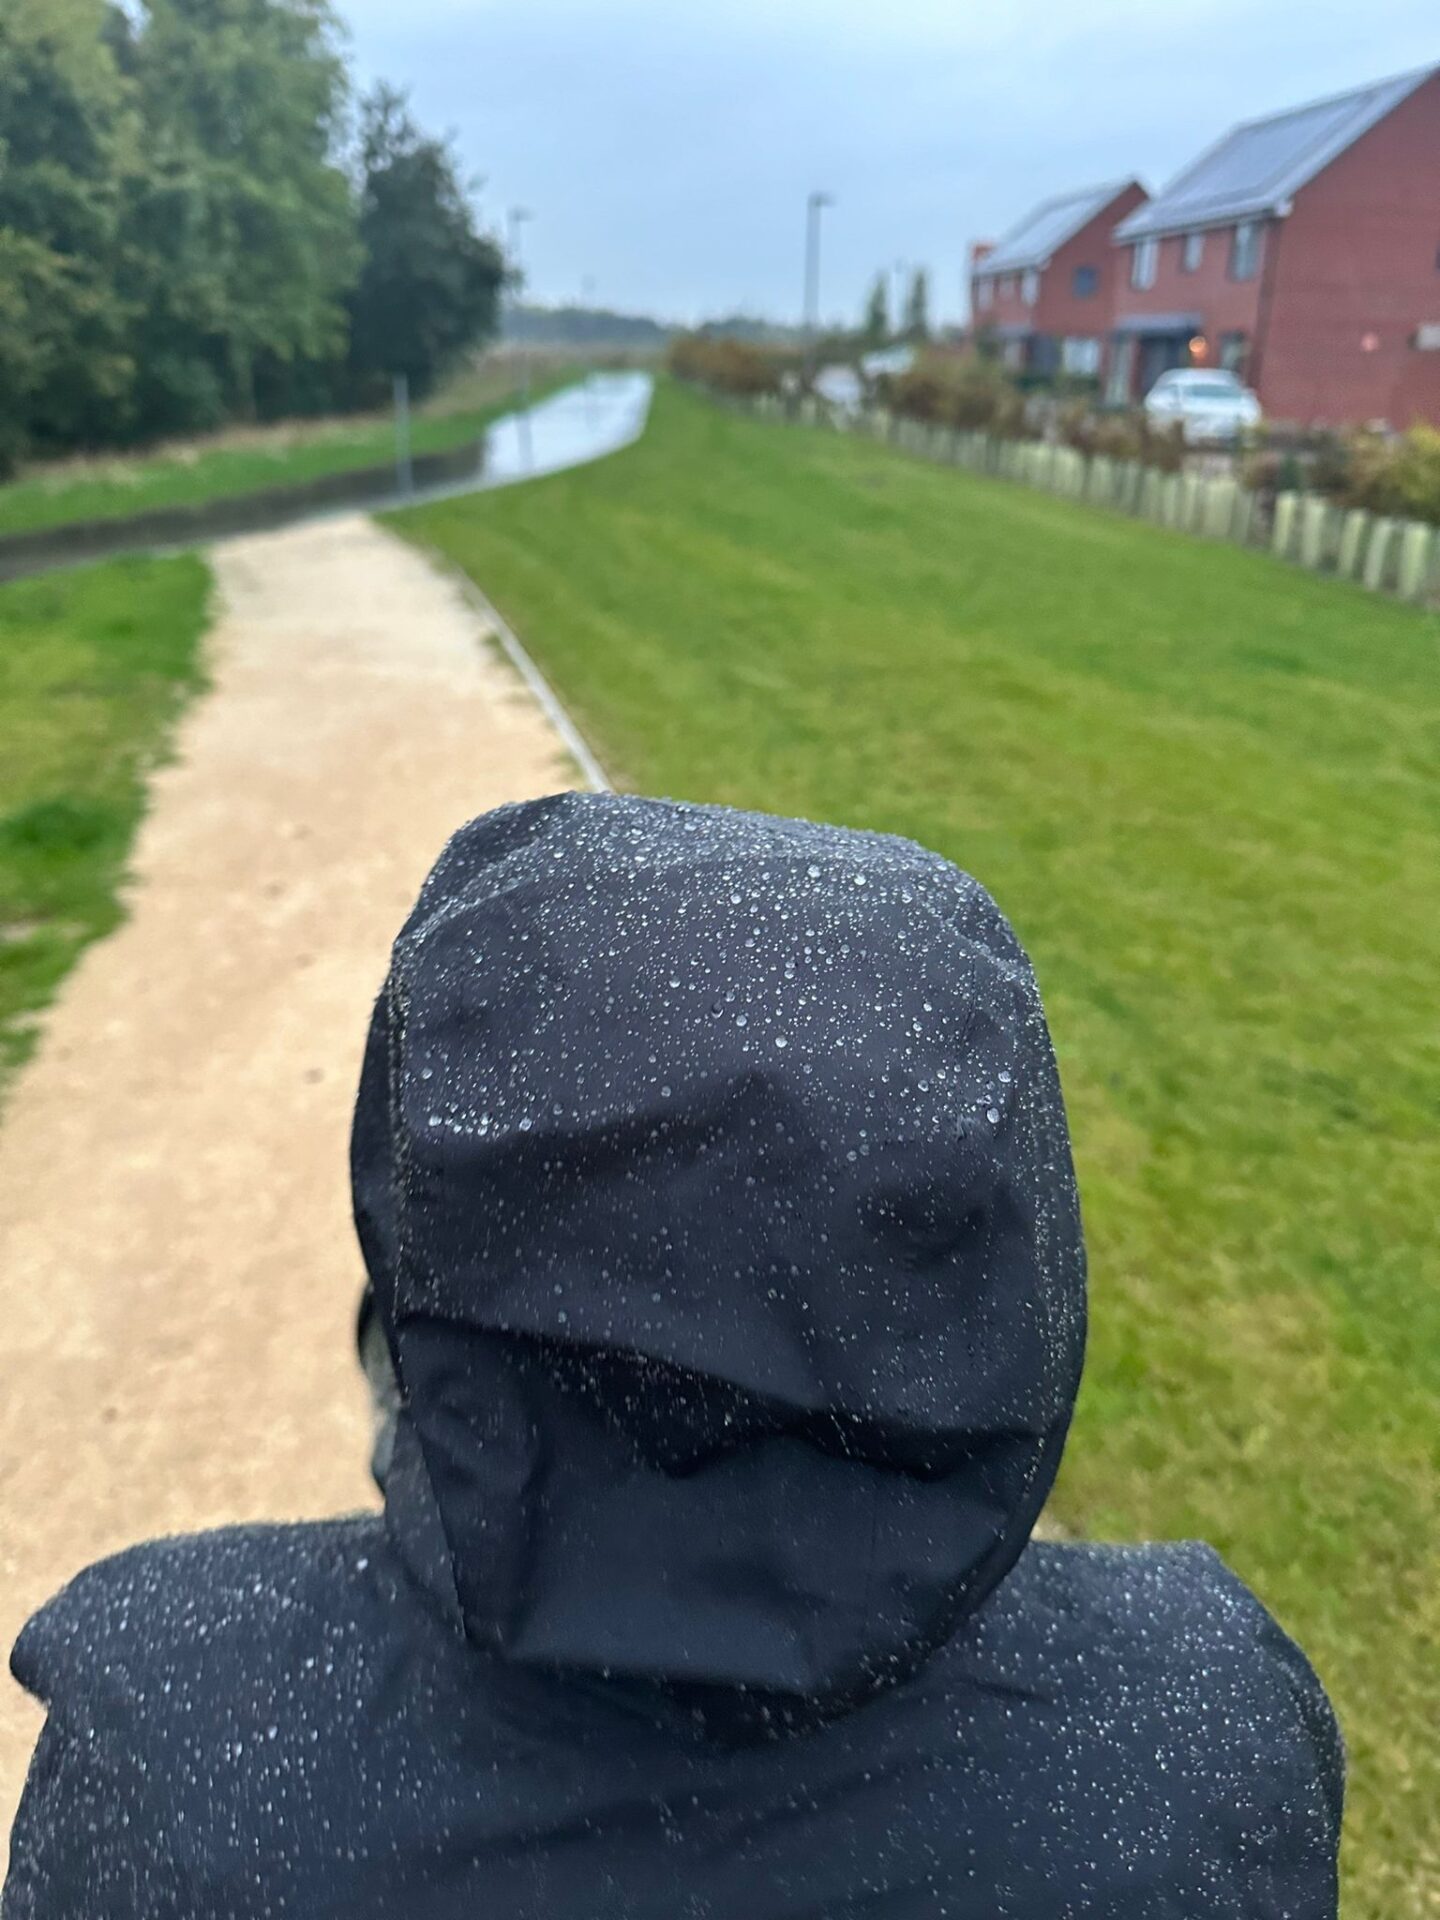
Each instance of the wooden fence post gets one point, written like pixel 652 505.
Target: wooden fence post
pixel 1377 554
pixel 1188 509
pixel 1314 525
pixel 1243 521
pixel 1416 542
pixel 1217 507
pixel 1287 509
pixel 1353 530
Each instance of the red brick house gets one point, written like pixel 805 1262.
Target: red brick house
pixel 1303 251
pixel 1046 292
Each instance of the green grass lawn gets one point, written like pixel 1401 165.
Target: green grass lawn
pixel 245 460
pixel 94 666
pixel 1203 786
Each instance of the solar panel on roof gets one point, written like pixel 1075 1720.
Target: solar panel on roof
pixel 1047 227
pixel 1257 167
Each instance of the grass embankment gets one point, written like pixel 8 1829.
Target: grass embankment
pixel 94 666
pixel 1202 784
pixel 246 460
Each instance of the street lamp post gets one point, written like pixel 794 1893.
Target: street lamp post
pixel 587 304
pixel 814 207
pixel 518 217
pixel 404 470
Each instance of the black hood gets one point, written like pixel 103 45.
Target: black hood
pixel 714 1185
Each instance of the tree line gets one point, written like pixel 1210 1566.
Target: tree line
pixel 199 224
pixel 912 324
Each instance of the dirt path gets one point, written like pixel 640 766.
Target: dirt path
pixel 176 1254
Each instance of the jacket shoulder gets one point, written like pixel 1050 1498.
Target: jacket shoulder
pixel 1176 1625
pixel 158 1667
pixel 165 1595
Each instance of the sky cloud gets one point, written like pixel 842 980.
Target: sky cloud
pixel 667 152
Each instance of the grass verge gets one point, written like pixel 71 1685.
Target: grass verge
pixel 1203 786
pixel 246 460
pixel 94 666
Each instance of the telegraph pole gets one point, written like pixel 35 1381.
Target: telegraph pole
pixel 814 207
pixel 404 471
pixel 518 217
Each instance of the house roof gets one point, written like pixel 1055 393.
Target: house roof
pixel 1047 227
pixel 1258 166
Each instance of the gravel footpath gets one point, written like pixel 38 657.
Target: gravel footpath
pixel 178 1265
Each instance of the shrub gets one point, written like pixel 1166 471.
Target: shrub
pixel 1266 470
pixel 1400 476
pixel 1123 436
pixel 1384 473
pixel 1331 464
pixel 951 391
pixel 726 366
pixel 1285 458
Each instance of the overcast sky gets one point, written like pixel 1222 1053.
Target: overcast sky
pixel 666 149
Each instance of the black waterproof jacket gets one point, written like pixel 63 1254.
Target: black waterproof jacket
pixel 713 1181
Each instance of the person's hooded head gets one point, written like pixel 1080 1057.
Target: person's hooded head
pixel 715 1190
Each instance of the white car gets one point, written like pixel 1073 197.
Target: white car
pixel 1210 403
pixel 888 360
pixel 841 387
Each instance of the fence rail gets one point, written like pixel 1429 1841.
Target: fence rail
pixel 1387 555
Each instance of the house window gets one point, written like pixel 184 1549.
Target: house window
pixel 1234 352
pixel 1245 250
pixel 1085 283
pixel 984 294
pixel 1142 264
pixel 1192 252
pixel 1030 287
pixel 1080 354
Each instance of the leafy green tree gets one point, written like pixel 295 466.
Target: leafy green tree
pixel 28 274
pixel 430 284
pixel 876 324
pixel 68 135
pixel 243 226
pixel 917 307
pixel 182 238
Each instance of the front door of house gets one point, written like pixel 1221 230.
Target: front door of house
pixel 1158 354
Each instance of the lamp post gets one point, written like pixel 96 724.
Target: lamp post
pixel 404 471
pixel 587 305
pixel 814 207
pixel 517 219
